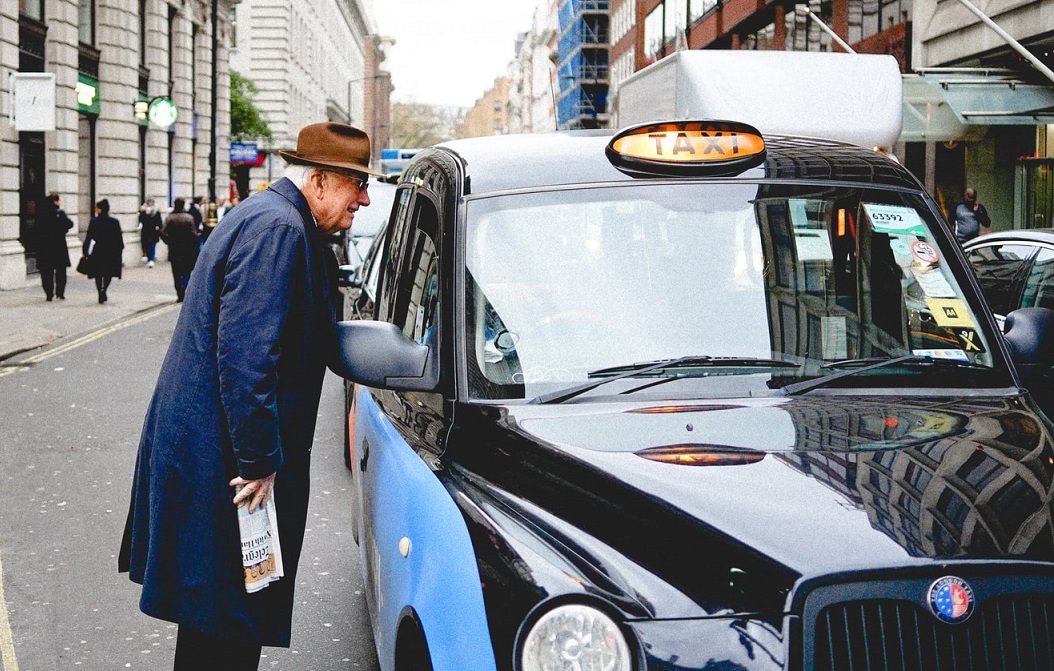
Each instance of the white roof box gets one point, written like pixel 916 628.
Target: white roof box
pixel 855 98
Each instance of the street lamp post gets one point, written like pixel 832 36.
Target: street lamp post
pixel 210 219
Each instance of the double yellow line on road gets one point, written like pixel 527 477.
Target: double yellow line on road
pixel 85 339
pixel 8 660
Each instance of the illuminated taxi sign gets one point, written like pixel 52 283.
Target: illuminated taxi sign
pixel 687 148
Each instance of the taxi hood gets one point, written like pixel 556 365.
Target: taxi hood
pixel 829 483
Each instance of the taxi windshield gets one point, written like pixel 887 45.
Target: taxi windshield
pixel 747 287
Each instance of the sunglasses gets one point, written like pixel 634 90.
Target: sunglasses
pixel 362 183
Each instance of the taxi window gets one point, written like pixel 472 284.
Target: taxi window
pixel 417 290
pixel 999 268
pixel 563 284
pixel 1039 285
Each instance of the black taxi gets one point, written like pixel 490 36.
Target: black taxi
pixel 687 396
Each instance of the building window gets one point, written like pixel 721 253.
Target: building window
pixel 34 9
pixel 675 19
pixel 653 35
pixel 86 22
pixel 697 9
pixel 870 17
pixel 233 17
pixel 804 35
pixel 763 39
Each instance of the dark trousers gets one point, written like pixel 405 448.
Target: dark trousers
pixel 101 285
pixel 197 652
pixel 180 279
pixel 54 281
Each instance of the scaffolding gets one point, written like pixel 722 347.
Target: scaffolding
pixel 583 70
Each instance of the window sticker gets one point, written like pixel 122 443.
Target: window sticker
pixel 933 283
pixel 812 245
pixel 900 245
pixel 951 313
pixel 925 253
pixel 970 341
pixel 834 337
pixel 895 219
pixel 953 354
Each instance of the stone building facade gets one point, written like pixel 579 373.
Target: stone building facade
pixel 109 60
pixel 310 62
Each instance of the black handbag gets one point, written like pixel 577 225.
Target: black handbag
pixel 84 266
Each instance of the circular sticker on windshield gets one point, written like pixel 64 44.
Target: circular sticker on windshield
pixel 925 252
pixel 951 599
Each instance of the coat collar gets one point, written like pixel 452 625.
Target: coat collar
pixel 290 192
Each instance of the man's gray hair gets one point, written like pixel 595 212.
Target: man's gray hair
pixel 299 174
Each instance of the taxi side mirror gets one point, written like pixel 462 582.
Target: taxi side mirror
pixel 377 354
pixel 1029 334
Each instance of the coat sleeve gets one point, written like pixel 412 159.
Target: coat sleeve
pixel 88 237
pixel 255 299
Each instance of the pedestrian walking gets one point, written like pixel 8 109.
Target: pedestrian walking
pixel 971 217
pixel 53 253
pixel 180 233
pixel 149 230
pixel 104 246
pixel 235 406
pixel 197 213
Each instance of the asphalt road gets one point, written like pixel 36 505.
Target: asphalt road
pixel 68 438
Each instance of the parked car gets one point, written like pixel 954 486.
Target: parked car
pixel 1016 270
pixel 690 397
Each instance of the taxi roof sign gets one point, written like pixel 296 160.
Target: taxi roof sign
pixel 687 148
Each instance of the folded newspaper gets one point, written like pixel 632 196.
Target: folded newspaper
pixel 261 549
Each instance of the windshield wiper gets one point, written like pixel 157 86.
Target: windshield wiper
pixel 856 368
pixel 642 368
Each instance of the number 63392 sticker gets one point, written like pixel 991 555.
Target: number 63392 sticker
pixel 895 219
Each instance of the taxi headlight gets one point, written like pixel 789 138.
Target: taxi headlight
pixel 575 637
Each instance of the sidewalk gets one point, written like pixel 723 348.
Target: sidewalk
pixel 28 322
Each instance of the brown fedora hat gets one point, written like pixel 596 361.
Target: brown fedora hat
pixel 332 145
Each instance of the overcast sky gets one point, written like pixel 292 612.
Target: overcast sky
pixel 448 52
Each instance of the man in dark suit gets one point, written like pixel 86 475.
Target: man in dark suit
pixel 53 253
pixel 235 406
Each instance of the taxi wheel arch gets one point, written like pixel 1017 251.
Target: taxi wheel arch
pixel 411 648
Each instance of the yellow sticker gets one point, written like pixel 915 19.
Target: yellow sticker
pixel 950 312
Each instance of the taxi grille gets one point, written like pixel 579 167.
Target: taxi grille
pixel 1009 632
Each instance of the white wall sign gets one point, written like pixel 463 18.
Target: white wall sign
pixel 33 101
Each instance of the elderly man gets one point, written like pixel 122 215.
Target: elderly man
pixel 235 405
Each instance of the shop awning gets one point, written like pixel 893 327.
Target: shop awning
pixel 957 104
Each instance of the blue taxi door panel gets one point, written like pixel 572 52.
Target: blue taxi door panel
pixel 438 578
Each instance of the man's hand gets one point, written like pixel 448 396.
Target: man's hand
pixel 258 490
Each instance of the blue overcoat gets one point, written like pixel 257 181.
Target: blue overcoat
pixel 238 394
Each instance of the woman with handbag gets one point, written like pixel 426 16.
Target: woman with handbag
pixel 104 246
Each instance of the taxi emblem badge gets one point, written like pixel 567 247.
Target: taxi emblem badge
pixel 951 599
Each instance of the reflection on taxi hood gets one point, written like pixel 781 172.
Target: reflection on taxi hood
pixel 830 484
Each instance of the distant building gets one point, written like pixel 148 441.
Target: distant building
pixel 532 75
pixel 583 64
pixel 83 76
pixel 490 114
pixel 311 62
